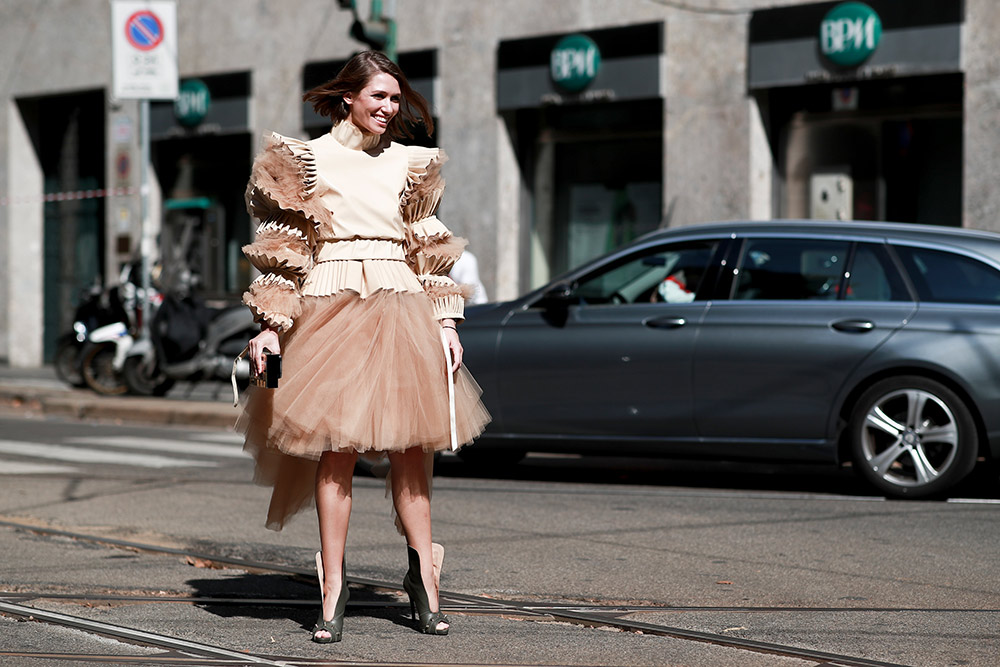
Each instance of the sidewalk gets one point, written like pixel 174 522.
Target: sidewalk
pixel 38 391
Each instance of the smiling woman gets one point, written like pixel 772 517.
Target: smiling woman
pixel 365 70
pixel 375 105
pixel 354 292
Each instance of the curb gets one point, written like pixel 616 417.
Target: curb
pixel 86 405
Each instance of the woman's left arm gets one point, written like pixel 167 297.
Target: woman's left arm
pixel 431 248
pixel 454 344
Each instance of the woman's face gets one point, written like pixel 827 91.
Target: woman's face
pixel 374 106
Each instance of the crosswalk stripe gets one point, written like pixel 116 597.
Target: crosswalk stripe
pixel 225 437
pixel 172 446
pixel 25 468
pixel 81 455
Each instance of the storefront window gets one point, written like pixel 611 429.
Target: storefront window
pixel 598 182
pixel 202 165
pixel 604 199
pixel 895 155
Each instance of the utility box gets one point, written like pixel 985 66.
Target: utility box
pixel 831 196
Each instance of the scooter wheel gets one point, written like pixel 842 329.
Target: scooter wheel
pixel 99 372
pixel 67 361
pixel 139 381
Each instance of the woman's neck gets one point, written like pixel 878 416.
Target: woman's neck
pixel 351 136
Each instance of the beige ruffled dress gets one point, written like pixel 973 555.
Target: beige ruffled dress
pixel 354 273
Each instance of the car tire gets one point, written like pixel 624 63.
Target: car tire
pixel 912 437
pixel 485 456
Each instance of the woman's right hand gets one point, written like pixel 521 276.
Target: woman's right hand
pixel 267 338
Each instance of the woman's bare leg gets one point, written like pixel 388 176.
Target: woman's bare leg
pixel 412 500
pixel 334 477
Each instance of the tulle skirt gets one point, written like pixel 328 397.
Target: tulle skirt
pixel 364 375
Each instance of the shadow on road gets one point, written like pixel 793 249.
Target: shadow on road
pixel 277 596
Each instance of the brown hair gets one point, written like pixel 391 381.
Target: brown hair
pixel 328 98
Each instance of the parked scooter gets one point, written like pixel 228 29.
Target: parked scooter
pixel 104 350
pixel 103 318
pixel 103 356
pixel 96 308
pixel 188 341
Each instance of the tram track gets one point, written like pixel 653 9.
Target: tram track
pixel 589 615
pixel 534 609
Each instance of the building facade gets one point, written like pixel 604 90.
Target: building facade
pixel 572 126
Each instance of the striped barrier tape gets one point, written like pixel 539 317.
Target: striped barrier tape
pixel 96 193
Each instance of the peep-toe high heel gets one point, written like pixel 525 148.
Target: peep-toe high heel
pixel 335 626
pixel 420 608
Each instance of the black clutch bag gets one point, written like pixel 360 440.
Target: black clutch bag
pixel 272 372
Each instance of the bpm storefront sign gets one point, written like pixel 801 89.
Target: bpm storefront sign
pixel 192 103
pixel 850 33
pixel 604 65
pixel 574 62
pixel 832 42
pixel 144 49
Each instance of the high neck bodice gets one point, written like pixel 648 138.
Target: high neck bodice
pixel 348 135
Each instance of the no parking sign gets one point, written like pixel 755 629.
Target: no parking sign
pixel 144 48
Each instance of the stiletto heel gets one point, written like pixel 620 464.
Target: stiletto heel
pixel 437 562
pixel 420 608
pixel 335 626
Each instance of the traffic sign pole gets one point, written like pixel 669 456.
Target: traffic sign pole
pixel 144 67
pixel 145 238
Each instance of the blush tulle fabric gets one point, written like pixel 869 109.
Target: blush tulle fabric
pixel 364 375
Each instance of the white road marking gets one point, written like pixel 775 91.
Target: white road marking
pixel 224 437
pixel 975 501
pixel 83 455
pixel 25 468
pixel 154 445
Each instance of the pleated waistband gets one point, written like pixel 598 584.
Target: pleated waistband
pixel 331 251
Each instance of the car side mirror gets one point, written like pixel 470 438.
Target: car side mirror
pixel 558 296
pixel 555 303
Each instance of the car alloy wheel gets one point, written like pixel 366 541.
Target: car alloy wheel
pixel 912 437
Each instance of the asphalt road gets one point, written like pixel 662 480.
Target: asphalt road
pixel 558 560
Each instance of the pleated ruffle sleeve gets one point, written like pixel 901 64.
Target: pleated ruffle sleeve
pixel 431 248
pixel 280 197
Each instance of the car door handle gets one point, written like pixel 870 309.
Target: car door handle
pixel 665 322
pixel 853 326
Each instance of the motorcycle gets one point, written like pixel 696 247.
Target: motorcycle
pixel 103 356
pixel 90 313
pixel 105 348
pixel 188 341
pixel 96 308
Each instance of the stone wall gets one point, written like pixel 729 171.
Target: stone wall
pixel 717 161
pixel 981 34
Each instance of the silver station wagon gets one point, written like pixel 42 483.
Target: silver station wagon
pixel 827 342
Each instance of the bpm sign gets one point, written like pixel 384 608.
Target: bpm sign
pixel 144 49
pixel 192 103
pixel 849 33
pixel 574 62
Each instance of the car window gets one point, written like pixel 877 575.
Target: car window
pixel 781 269
pixel 873 277
pixel 946 277
pixel 671 274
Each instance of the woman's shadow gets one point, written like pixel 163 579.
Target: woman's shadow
pixel 292 597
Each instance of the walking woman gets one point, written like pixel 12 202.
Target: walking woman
pixel 354 294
